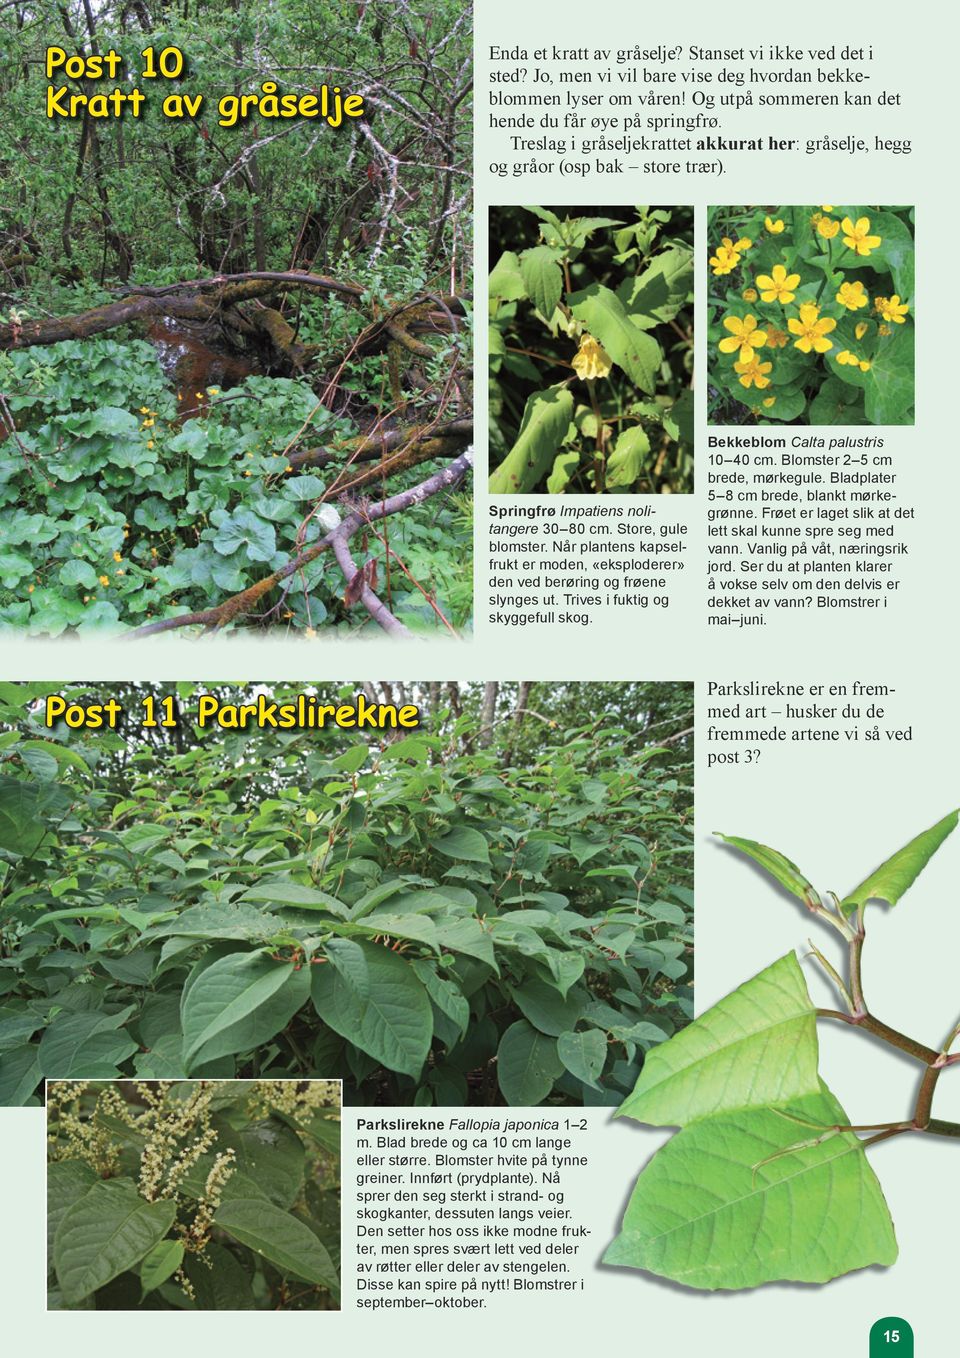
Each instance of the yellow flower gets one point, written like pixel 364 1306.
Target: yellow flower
pixel 891 308
pixel 860 329
pixel 117 556
pixel 30 588
pixel 147 424
pixel 727 257
pixel 753 371
pixel 149 443
pixel 310 633
pixel 856 235
pixel 744 335
pixel 144 410
pixel 777 339
pixel 774 227
pixel 199 395
pixel 865 365
pixel 827 227
pixel 214 391
pixel 104 579
pixel 724 261
pixel 852 295
pixel 778 286
pixel 827 207
pixel 884 330
pixel 844 357
pixel 591 359
pixel 812 331
pixel 769 401
pixel 749 294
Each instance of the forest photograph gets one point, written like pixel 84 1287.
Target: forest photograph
pixel 490 906
pixel 236 318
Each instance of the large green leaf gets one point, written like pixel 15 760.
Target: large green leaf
pixel 542 278
pixel 276 1235
pixel 464 843
pixel 584 1054
pixel 88 1045
pixel 659 292
pixel 372 996
pixel 506 280
pixel 638 353
pixel 219 1281
pixel 626 462
pixel 160 1263
pixel 757 1046
pixel 899 872
pixel 722 1205
pixel 786 872
pixel 237 1003
pixel 19 1076
pixel 219 919
pixel 25 807
pixel 104 1233
pixel 67 1182
pixel 527 1064
pixel 545 1008
pixel 546 418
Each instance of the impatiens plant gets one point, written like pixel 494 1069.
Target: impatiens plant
pixel 591 351
pixel 194 1195
pixel 767 1178
pixel 811 315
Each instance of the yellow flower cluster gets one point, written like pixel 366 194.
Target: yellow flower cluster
pixel 891 309
pixel 728 256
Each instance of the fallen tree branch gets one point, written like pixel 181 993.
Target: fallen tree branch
pixel 371 447
pixel 239 605
pixel 188 301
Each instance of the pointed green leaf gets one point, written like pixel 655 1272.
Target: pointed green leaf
pixel 721 1206
pixel 629 457
pixel 638 353
pixel 160 1263
pixel 463 843
pixel 757 1046
pixel 583 1054
pixel 104 1233
pixel 546 418
pixel 779 866
pixel 239 1002
pixel 372 997
pixel 67 1182
pixel 893 877
pixel 276 1235
pixel 506 280
pixel 542 278
pixel 527 1065
pixel 545 1008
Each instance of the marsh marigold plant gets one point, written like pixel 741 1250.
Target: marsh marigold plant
pixel 825 294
